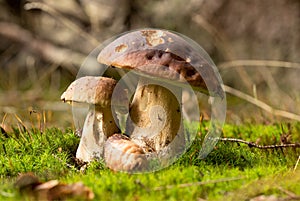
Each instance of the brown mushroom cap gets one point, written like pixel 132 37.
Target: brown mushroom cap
pixel 163 54
pixel 91 90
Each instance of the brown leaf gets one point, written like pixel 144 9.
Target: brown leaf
pixel 29 184
pixel 63 191
pixel 41 191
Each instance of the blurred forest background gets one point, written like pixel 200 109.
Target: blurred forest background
pixel 254 43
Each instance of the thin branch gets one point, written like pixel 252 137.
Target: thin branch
pixel 68 23
pixel 65 163
pixel 297 163
pixel 291 195
pixel 46 50
pixel 200 183
pixel 261 104
pixel 252 144
pixel 267 63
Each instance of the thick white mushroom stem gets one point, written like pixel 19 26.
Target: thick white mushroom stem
pixel 155 118
pixel 98 126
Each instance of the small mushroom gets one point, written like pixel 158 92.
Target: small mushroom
pixel 121 154
pixel 159 55
pixel 100 122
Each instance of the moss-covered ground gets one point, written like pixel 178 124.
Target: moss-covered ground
pixel 232 171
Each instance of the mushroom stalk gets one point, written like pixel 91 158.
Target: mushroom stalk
pixel 98 126
pixel 155 117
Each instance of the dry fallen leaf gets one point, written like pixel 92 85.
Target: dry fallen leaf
pixel 77 190
pixel 41 191
pixel 28 184
pixel 266 198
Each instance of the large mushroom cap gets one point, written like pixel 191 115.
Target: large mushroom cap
pixel 161 53
pixel 91 90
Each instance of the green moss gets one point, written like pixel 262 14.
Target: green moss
pixel 230 171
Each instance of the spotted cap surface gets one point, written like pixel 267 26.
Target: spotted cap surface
pixel 161 53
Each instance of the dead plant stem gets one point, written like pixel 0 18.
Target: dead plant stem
pixel 261 104
pixel 252 144
pixel 200 183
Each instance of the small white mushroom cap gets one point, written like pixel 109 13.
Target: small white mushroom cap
pixel 93 90
pixel 100 122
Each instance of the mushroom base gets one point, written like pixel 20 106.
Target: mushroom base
pixel 121 154
pixel 98 126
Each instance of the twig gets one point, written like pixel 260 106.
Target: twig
pixel 3 119
pixel 68 23
pixel 291 195
pixel 46 50
pixel 268 63
pixel 261 104
pixel 159 188
pixel 297 163
pixel 22 123
pixel 267 76
pixel 252 144
pixel 67 164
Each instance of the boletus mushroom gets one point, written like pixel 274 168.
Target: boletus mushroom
pixel 160 55
pixel 100 121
